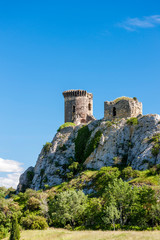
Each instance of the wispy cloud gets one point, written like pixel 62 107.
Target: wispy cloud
pixel 132 24
pixel 14 169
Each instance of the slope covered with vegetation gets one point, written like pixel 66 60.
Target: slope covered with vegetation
pixel 107 199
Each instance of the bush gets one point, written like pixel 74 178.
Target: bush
pixel 132 121
pixel 47 147
pixel 30 175
pixel 68 207
pixel 134 98
pixel 3 232
pixel 128 172
pixel 67 124
pixel 34 222
pixel 93 144
pixel 80 143
pixel 15 233
pixel 33 204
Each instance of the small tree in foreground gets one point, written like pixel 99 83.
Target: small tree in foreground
pixel 15 233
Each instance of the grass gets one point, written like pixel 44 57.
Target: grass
pixel 67 124
pixel 62 234
pixel 122 98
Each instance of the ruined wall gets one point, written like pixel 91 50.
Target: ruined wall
pixel 123 108
pixel 78 106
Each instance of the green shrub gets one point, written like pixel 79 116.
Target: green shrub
pixel 68 207
pixel 45 179
pixel 134 98
pixel 93 144
pixel 67 124
pixel 30 175
pixel 47 147
pixel 42 172
pixel 109 123
pixel 156 146
pixel 33 204
pixel 80 143
pixel 154 170
pixel 128 172
pixel 63 147
pixel 69 175
pixel 74 166
pixel 3 232
pixel 155 149
pixel 15 233
pixel 132 121
pixel 34 222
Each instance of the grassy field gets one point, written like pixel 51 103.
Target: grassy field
pixel 62 234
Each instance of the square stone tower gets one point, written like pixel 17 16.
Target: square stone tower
pixel 78 106
pixel 123 107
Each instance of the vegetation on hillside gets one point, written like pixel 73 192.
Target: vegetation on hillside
pixel 108 198
pixel 67 124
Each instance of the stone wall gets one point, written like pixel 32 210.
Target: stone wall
pixel 78 106
pixel 123 108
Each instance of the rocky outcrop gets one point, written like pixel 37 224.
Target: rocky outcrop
pixel 122 142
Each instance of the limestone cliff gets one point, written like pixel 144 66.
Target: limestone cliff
pixel 134 142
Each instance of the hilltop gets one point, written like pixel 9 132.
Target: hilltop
pixel 122 142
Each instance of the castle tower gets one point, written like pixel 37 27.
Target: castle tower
pixel 123 107
pixel 78 106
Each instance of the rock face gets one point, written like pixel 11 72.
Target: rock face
pixel 122 142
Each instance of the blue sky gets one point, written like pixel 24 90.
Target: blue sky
pixel 109 48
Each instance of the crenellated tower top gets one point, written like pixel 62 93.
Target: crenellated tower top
pixel 78 106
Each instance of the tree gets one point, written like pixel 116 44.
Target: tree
pixel 111 214
pixel 68 208
pixel 15 233
pixel 121 196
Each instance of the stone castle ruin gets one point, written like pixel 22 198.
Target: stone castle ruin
pixel 79 107
pixel 123 107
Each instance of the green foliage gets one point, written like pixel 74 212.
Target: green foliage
pixel 105 176
pixel 30 175
pixel 128 173
pixel 111 214
pixel 80 143
pixel 33 204
pixel 122 98
pixel 15 233
pixel 93 144
pixel 73 166
pixel 154 170
pixel 67 124
pixel 93 213
pixel 34 222
pixel 68 208
pixel 109 123
pixel 3 232
pixel 134 98
pixel 42 172
pixel 120 197
pixel 47 147
pixel 132 121
pixel 63 147
pixel 156 147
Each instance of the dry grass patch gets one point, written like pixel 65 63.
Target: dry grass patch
pixel 62 234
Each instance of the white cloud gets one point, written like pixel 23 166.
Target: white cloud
pixel 132 24
pixel 10 166
pixel 14 169
pixel 11 180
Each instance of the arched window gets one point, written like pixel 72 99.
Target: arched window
pixel 114 111
pixel 89 106
pixel 74 109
